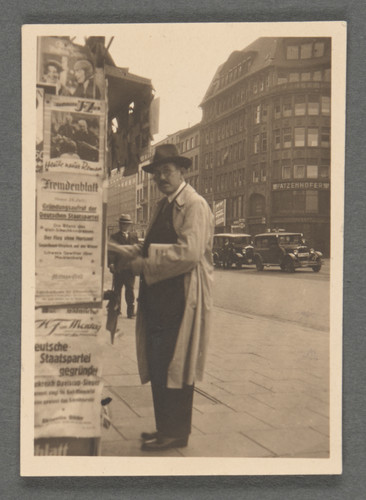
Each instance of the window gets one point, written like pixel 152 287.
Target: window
pixel 264 142
pixel 263 172
pixel 255 176
pixel 292 52
pixel 277 109
pixel 255 88
pixel 313 105
pixel 327 75
pixel 298 201
pixel 287 107
pixel 305 77
pixel 317 76
pixel 281 78
pixel 319 49
pixel 324 171
pixel 257 115
pixel 306 49
pixel 312 171
pixel 299 171
pixel 300 106
pixel 299 136
pixel 325 137
pixel 287 138
pixel 286 171
pixel 294 77
pixel 256 144
pixel 311 201
pixel 325 104
pixel 313 137
pixel 264 112
pixel 277 138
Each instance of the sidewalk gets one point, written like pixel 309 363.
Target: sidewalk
pixel 264 394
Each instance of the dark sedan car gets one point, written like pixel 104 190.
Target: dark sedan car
pixel 287 250
pixel 232 249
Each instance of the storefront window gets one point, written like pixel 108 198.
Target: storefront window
pixel 311 203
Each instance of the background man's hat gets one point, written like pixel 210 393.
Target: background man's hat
pixel 53 62
pixel 167 153
pixel 125 218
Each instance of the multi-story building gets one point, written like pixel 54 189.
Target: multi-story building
pixel 265 138
pixel 121 199
pixel 189 146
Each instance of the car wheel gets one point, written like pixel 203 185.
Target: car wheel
pixel 317 268
pixel 288 266
pixel 258 263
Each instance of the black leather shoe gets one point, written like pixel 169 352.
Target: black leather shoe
pixel 147 436
pixel 164 443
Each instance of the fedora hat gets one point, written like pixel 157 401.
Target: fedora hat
pixel 167 153
pixel 125 218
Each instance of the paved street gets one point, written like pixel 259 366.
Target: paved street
pixel 265 391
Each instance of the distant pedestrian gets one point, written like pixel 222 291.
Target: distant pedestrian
pixel 172 327
pixel 123 277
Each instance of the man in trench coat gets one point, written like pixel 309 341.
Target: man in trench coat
pixel 173 316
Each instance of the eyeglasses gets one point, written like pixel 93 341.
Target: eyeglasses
pixel 164 172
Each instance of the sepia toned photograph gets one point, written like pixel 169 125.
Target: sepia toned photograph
pixel 184 298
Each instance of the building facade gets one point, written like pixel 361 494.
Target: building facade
pixel 265 138
pixel 121 199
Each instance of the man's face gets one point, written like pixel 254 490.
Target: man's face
pixel 124 227
pixel 80 75
pixel 82 127
pixel 168 177
pixel 52 74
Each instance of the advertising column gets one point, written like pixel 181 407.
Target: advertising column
pixel 70 168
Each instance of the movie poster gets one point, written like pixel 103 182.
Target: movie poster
pixel 68 239
pixel 74 135
pixel 67 69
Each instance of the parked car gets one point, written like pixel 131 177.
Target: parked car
pixel 287 250
pixel 232 249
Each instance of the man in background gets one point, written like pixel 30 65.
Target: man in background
pixel 123 277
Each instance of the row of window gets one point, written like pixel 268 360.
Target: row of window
pixel 188 144
pixel 299 105
pixel 305 50
pixel 304 171
pixel 241 95
pixel 230 180
pixel 229 154
pixel 293 137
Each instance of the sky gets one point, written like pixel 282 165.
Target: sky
pixel 180 60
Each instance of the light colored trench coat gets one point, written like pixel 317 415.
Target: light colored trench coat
pixel 192 256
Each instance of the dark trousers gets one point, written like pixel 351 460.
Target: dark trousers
pixel 172 407
pixel 128 281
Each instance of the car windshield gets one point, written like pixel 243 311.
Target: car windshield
pixel 243 240
pixel 290 239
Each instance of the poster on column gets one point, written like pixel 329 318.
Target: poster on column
pixel 68 239
pixel 68 387
pixel 74 130
pixel 67 69
pixel 39 129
